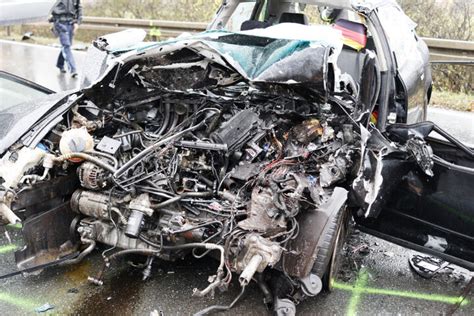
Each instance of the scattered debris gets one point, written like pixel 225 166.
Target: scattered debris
pixel 73 290
pixel 7 236
pixel 453 274
pixel 27 36
pixel 362 249
pixel 44 308
pixel 80 47
pixel 157 313
pixel 426 266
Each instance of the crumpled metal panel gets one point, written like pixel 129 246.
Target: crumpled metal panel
pixel 47 237
pixel 259 60
pixel 306 66
pixel 95 66
pixel 385 164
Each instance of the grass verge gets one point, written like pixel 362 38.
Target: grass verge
pixel 452 100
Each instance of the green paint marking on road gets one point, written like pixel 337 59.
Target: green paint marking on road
pixel 407 294
pixel 357 290
pixel 15 226
pixel 17 301
pixel 8 248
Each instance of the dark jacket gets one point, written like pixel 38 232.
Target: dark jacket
pixel 67 11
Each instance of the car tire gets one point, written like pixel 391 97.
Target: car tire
pixel 325 265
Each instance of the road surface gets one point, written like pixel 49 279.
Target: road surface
pixel 38 64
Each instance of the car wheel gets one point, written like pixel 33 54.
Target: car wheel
pixel 326 263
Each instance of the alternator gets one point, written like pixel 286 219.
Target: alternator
pixel 91 176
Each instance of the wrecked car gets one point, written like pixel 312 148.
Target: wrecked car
pixel 254 142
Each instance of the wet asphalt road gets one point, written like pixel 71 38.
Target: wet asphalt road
pixel 457 123
pixel 374 278
pixel 38 64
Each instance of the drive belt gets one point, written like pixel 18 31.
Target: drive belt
pixel 39 267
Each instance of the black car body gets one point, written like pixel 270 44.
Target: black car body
pixel 253 146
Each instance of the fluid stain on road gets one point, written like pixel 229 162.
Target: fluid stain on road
pixel 79 273
pixel 116 296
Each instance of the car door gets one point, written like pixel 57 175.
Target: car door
pixel 425 198
pixel 411 56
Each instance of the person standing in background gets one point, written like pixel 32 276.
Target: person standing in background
pixel 66 16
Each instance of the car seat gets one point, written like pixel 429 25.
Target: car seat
pixel 252 24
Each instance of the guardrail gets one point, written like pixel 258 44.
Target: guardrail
pixel 444 51
pixel 441 50
pixel 165 29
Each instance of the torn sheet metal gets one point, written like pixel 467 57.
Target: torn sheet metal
pixel 120 40
pixel 384 165
pixel 288 62
pixel 259 60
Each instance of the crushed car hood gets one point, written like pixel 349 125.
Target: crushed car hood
pixel 260 57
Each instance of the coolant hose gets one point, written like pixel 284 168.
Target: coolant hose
pixel 83 254
pixel 94 160
pixel 154 252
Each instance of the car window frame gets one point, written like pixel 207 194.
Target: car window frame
pixel 25 82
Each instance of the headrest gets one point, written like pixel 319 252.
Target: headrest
pixel 287 17
pixel 252 24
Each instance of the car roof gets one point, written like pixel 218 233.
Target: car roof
pixel 339 4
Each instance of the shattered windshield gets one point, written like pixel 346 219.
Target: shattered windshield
pixel 285 54
pixel 258 57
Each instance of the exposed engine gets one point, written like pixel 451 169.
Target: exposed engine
pixel 251 176
pixel 200 173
